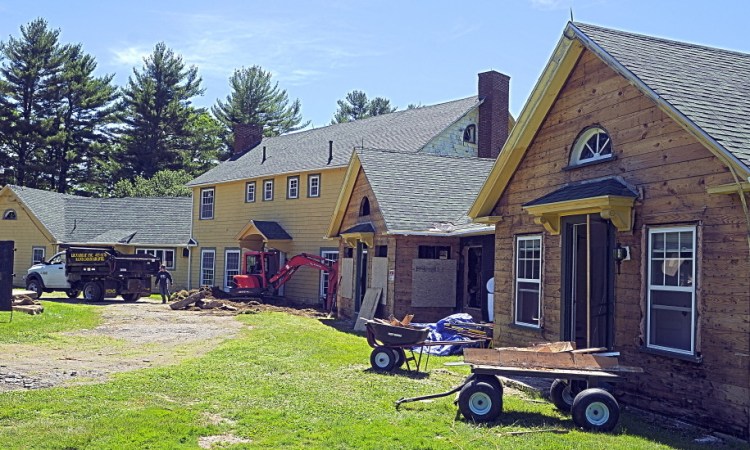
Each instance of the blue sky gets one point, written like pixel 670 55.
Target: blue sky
pixel 408 51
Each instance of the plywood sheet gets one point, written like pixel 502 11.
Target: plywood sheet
pixel 433 283
pixel 380 276
pixel 346 267
pixel 368 307
pixel 543 360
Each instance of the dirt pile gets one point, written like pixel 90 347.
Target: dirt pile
pixel 216 299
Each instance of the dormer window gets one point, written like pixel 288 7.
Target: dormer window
pixel 364 207
pixel 470 134
pixel 592 145
pixel 9 214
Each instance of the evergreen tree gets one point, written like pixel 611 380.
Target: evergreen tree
pixel 356 106
pixel 164 183
pixel 205 143
pixel 157 109
pixel 256 99
pixel 30 75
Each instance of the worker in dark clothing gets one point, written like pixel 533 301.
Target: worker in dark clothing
pixel 165 281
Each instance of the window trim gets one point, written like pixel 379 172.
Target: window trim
pixel 247 192
pixel 202 204
pixel 266 182
pixel 517 280
pixel 289 187
pixel 202 268
pixel 323 274
pixel 310 177
pixel 693 290
pixel 10 212
pixel 163 250
pixel 44 254
pixel 582 139
pixel 227 251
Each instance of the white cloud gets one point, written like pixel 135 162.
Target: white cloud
pixel 131 56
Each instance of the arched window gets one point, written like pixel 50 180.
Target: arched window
pixel 364 207
pixel 593 144
pixel 9 214
pixel 470 134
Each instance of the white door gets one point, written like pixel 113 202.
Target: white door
pixel 231 267
pixel 54 273
pixel 330 255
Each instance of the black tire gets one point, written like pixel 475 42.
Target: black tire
pixel 93 291
pixel 382 359
pixel 130 298
pixel 561 395
pixel 595 410
pixel 400 357
pixel 36 285
pixel 72 293
pixel 480 402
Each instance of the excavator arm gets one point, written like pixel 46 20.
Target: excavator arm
pixel 308 260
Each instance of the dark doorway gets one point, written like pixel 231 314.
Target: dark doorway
pixel 474 291
pixel 361 280
pixel 588 281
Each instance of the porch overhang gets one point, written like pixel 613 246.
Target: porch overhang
pixel 610 198
pixel 363 232
pixel 259 233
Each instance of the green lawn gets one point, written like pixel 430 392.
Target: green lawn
pixel 57 317
pixel 289 382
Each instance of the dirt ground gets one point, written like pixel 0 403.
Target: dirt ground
pixel 131 336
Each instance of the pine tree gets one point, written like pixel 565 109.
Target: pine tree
pixel 256 99
pixel 157 110
pixel 356 106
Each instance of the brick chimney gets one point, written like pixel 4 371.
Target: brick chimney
pixel 494 91
pixel 246 136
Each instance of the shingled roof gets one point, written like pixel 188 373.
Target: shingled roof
pixel 708 85
pixel 406 131
pixel 420 192
pixel 76 219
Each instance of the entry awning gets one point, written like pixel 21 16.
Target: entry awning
pixel 610 198
pixel 257 232
pixel 364 232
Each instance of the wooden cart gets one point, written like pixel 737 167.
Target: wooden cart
pixel 579 377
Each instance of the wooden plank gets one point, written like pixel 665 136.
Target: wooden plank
pixel 540 372
pixel 368 307
pixel 548 360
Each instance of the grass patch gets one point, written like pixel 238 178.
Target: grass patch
pixel 289 382
pixel 57 317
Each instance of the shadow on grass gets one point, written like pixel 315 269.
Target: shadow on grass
pixel 403 372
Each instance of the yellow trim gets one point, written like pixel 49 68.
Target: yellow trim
pixel 617 209
pixel 337 218
pixel 730 188
pixel 351 238
pixel 541 100
pixel 488 219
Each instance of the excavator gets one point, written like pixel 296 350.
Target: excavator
pixel 259 280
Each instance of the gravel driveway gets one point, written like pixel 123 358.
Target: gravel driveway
pixel 131 336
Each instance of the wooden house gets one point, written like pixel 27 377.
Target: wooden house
pixel 280 192
pixel 402 223
pixel 621 218
pixel 40 221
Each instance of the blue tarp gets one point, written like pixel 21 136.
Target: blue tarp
pixel 438 332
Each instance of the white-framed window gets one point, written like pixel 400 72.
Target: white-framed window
pixel 208 267
pixel 267 190
pixel 37 254
pixel 9 214
pixel 207 203
pixel 528 282
pixel 166 255
pixel 292 187
pixel 671 289
pixel 250 192
pixel 313 185
pixel 593 144
pixel 231 266
pixel 330 255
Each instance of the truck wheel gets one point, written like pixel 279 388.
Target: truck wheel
pixel 130 298
pixel 480 402
pixel 72 293
pixel 93 292
pixel 35 284
pixel 595 410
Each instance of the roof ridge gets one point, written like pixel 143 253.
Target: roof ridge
pixel 421 155
pixel 658 38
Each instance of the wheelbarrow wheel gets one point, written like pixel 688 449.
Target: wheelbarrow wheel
pixel 479 401
pixel 595 410
pixel 383 359
pixel 561 395
pixel 400 357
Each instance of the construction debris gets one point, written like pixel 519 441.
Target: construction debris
pixel 22 302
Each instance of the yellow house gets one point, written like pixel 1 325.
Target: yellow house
pixel 40 221
pixel 280 192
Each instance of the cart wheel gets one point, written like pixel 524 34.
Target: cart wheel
pixel 595 410
pixel 400 357
pixel 480 402
pixel 561 395
pixel 382 358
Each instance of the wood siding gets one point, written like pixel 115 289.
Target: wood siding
pixel 305 219
pixel 671 170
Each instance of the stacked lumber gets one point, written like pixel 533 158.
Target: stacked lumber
pixel 202 299
pixel 23 302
